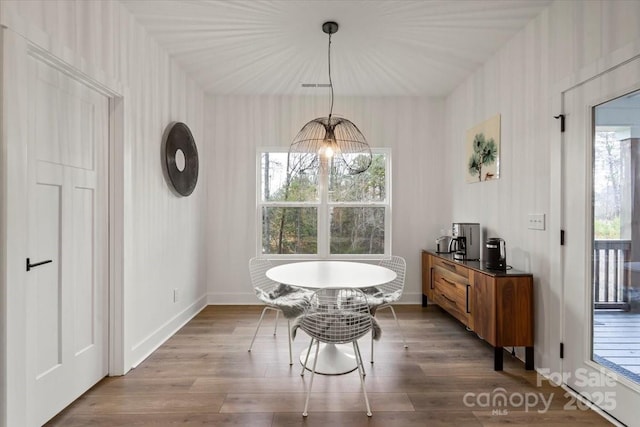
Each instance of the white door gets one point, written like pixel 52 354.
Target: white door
pixel 611 386
pixel 66 318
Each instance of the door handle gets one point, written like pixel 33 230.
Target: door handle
pixel 36 264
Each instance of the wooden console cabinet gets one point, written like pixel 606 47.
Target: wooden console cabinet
pixel 496 305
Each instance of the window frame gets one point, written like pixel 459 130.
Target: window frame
pixel 324 206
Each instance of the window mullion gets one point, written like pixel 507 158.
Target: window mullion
pixel 323 209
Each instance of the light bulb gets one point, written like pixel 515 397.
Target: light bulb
pixel 328 143
pixel 328 152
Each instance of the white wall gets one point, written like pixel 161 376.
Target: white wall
pixel 3 258
pixel 520 83
pixel 164 243
pixel 238 125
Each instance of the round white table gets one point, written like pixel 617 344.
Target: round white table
pixel 332 359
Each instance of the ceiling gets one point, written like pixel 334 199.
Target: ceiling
pixel 383 47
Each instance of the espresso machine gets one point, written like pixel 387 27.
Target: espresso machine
pixel 465 241
pixel 496 254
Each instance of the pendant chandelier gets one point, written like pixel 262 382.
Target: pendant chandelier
pixel 334 137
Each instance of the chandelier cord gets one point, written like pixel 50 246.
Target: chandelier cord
pixel 330 82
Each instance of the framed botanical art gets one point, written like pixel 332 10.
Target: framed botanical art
pixel 483 151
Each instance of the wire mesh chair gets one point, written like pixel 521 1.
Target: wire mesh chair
pixel 383 296
pixel 337 316
pixel 289 300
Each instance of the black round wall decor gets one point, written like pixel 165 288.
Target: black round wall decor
pixel 181 158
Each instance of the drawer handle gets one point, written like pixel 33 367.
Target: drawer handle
pixel 431 281
pixel 449 265
pixel 449 282
pixel 468 311
pixel 448 299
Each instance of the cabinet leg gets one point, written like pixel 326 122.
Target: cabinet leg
pixel 528 358
pixel 424 300
pixel 497 358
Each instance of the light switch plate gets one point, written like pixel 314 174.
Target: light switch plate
pixel 536 222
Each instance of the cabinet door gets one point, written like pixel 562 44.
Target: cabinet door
pixel 484 307
pixel 427 276
pixel 514 311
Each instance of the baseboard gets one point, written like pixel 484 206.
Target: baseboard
pixel 411 298
pixel 147 346
pixel 236 298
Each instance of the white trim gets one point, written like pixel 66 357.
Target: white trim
pixel 3 291
pixel 324 228
pixel 14 70
pixel 117 180
pixel 13 183
pixel 116 204
pixel 16 48
pixel 154 340
pixel 556 224
pixel 323 206
pixel 232 298
pixel 258 198
pixel 53 48
pixel 606 64
pixel 556 191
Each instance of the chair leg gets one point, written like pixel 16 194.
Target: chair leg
pixel 306 359
pixel 364 389
pixel 289 336
pixel 315 361
pixel 400 329
pixel 371 345
pixel 264 310
pixel 275 327
pixel 359 357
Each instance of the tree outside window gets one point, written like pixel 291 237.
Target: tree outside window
pixel 322 212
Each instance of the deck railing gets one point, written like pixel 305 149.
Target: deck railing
pixel 610 279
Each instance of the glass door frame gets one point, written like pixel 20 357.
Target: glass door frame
pixel 582 115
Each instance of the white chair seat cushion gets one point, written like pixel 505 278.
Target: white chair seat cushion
pixel 291 300
pixel 376 298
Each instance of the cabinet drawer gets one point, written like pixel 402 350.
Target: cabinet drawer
pixel 451 267
pixel 452 296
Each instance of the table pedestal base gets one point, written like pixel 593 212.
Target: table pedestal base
pixel 332 359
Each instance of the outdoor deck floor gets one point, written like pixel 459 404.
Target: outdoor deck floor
pixel 616 342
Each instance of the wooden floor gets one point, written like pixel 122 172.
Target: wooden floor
pixel 204 376
pixel 616 342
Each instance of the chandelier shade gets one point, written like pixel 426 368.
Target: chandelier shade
pixel 334 137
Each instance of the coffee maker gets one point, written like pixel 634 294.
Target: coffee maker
pixel 465 241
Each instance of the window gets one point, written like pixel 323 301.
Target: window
pixel 310 212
